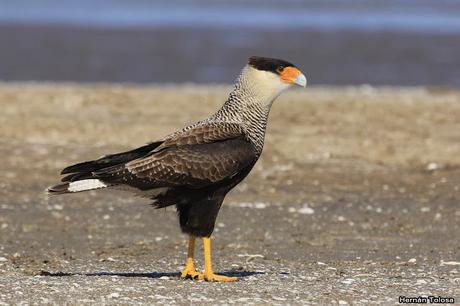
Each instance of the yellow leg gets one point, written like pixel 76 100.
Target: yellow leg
pixel 189 270
pixel 208 273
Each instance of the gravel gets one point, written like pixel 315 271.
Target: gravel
pixel 354 202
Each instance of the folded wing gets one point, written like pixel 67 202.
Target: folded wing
pixel 195 158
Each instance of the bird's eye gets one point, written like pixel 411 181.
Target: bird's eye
pixel 280 69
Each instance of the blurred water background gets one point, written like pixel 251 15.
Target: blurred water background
pixel 337 42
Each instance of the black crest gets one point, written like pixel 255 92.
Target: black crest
pixel 268 64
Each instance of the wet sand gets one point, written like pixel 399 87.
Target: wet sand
pixel 355 199
pixel 216 55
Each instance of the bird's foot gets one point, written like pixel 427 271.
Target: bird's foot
pixel 211 277
pixel 191 273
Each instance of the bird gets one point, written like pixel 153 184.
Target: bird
pixel 195 167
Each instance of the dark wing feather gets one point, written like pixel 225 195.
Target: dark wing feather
pixel 195 166
pixel 84 170
pixel 196 158
pixel 206 133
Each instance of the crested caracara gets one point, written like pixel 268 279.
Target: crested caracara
pixel 197 166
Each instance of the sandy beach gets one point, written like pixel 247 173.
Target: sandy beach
pixel 355 199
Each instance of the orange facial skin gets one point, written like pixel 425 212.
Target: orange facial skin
pixel 290 74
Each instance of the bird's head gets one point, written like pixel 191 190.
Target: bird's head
pixel 280 73
pixel 263 79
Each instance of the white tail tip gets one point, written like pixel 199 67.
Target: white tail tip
pixel 88 184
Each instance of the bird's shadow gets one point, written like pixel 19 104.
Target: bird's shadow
pixel 230 273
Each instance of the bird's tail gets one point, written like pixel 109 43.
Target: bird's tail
pixel 87 175
pixel 76 186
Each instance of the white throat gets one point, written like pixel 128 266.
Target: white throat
pixel 257 86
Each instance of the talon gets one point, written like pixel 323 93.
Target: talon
pixel 211 277
pixel 190 274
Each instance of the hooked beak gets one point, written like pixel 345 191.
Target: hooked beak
pixel 292 75
pixel 301 80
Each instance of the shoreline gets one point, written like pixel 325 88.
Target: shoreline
pixel 201 55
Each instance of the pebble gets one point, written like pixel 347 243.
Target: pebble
pixel 278 298
pixel 348 281
pixel 114 295
pixel 450 263
pixel 257 205
pixel 260 205
pixel 433 166
pixel 306 210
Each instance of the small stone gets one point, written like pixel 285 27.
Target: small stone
pixel 114 295
pixel 450 263
pixel 278 298
pixel 321 263
pixel 412 260
pixel 3 259
pixel 433 166
pixel 107 259
pixel 348 281
pixel 260 205
pixel 306 210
